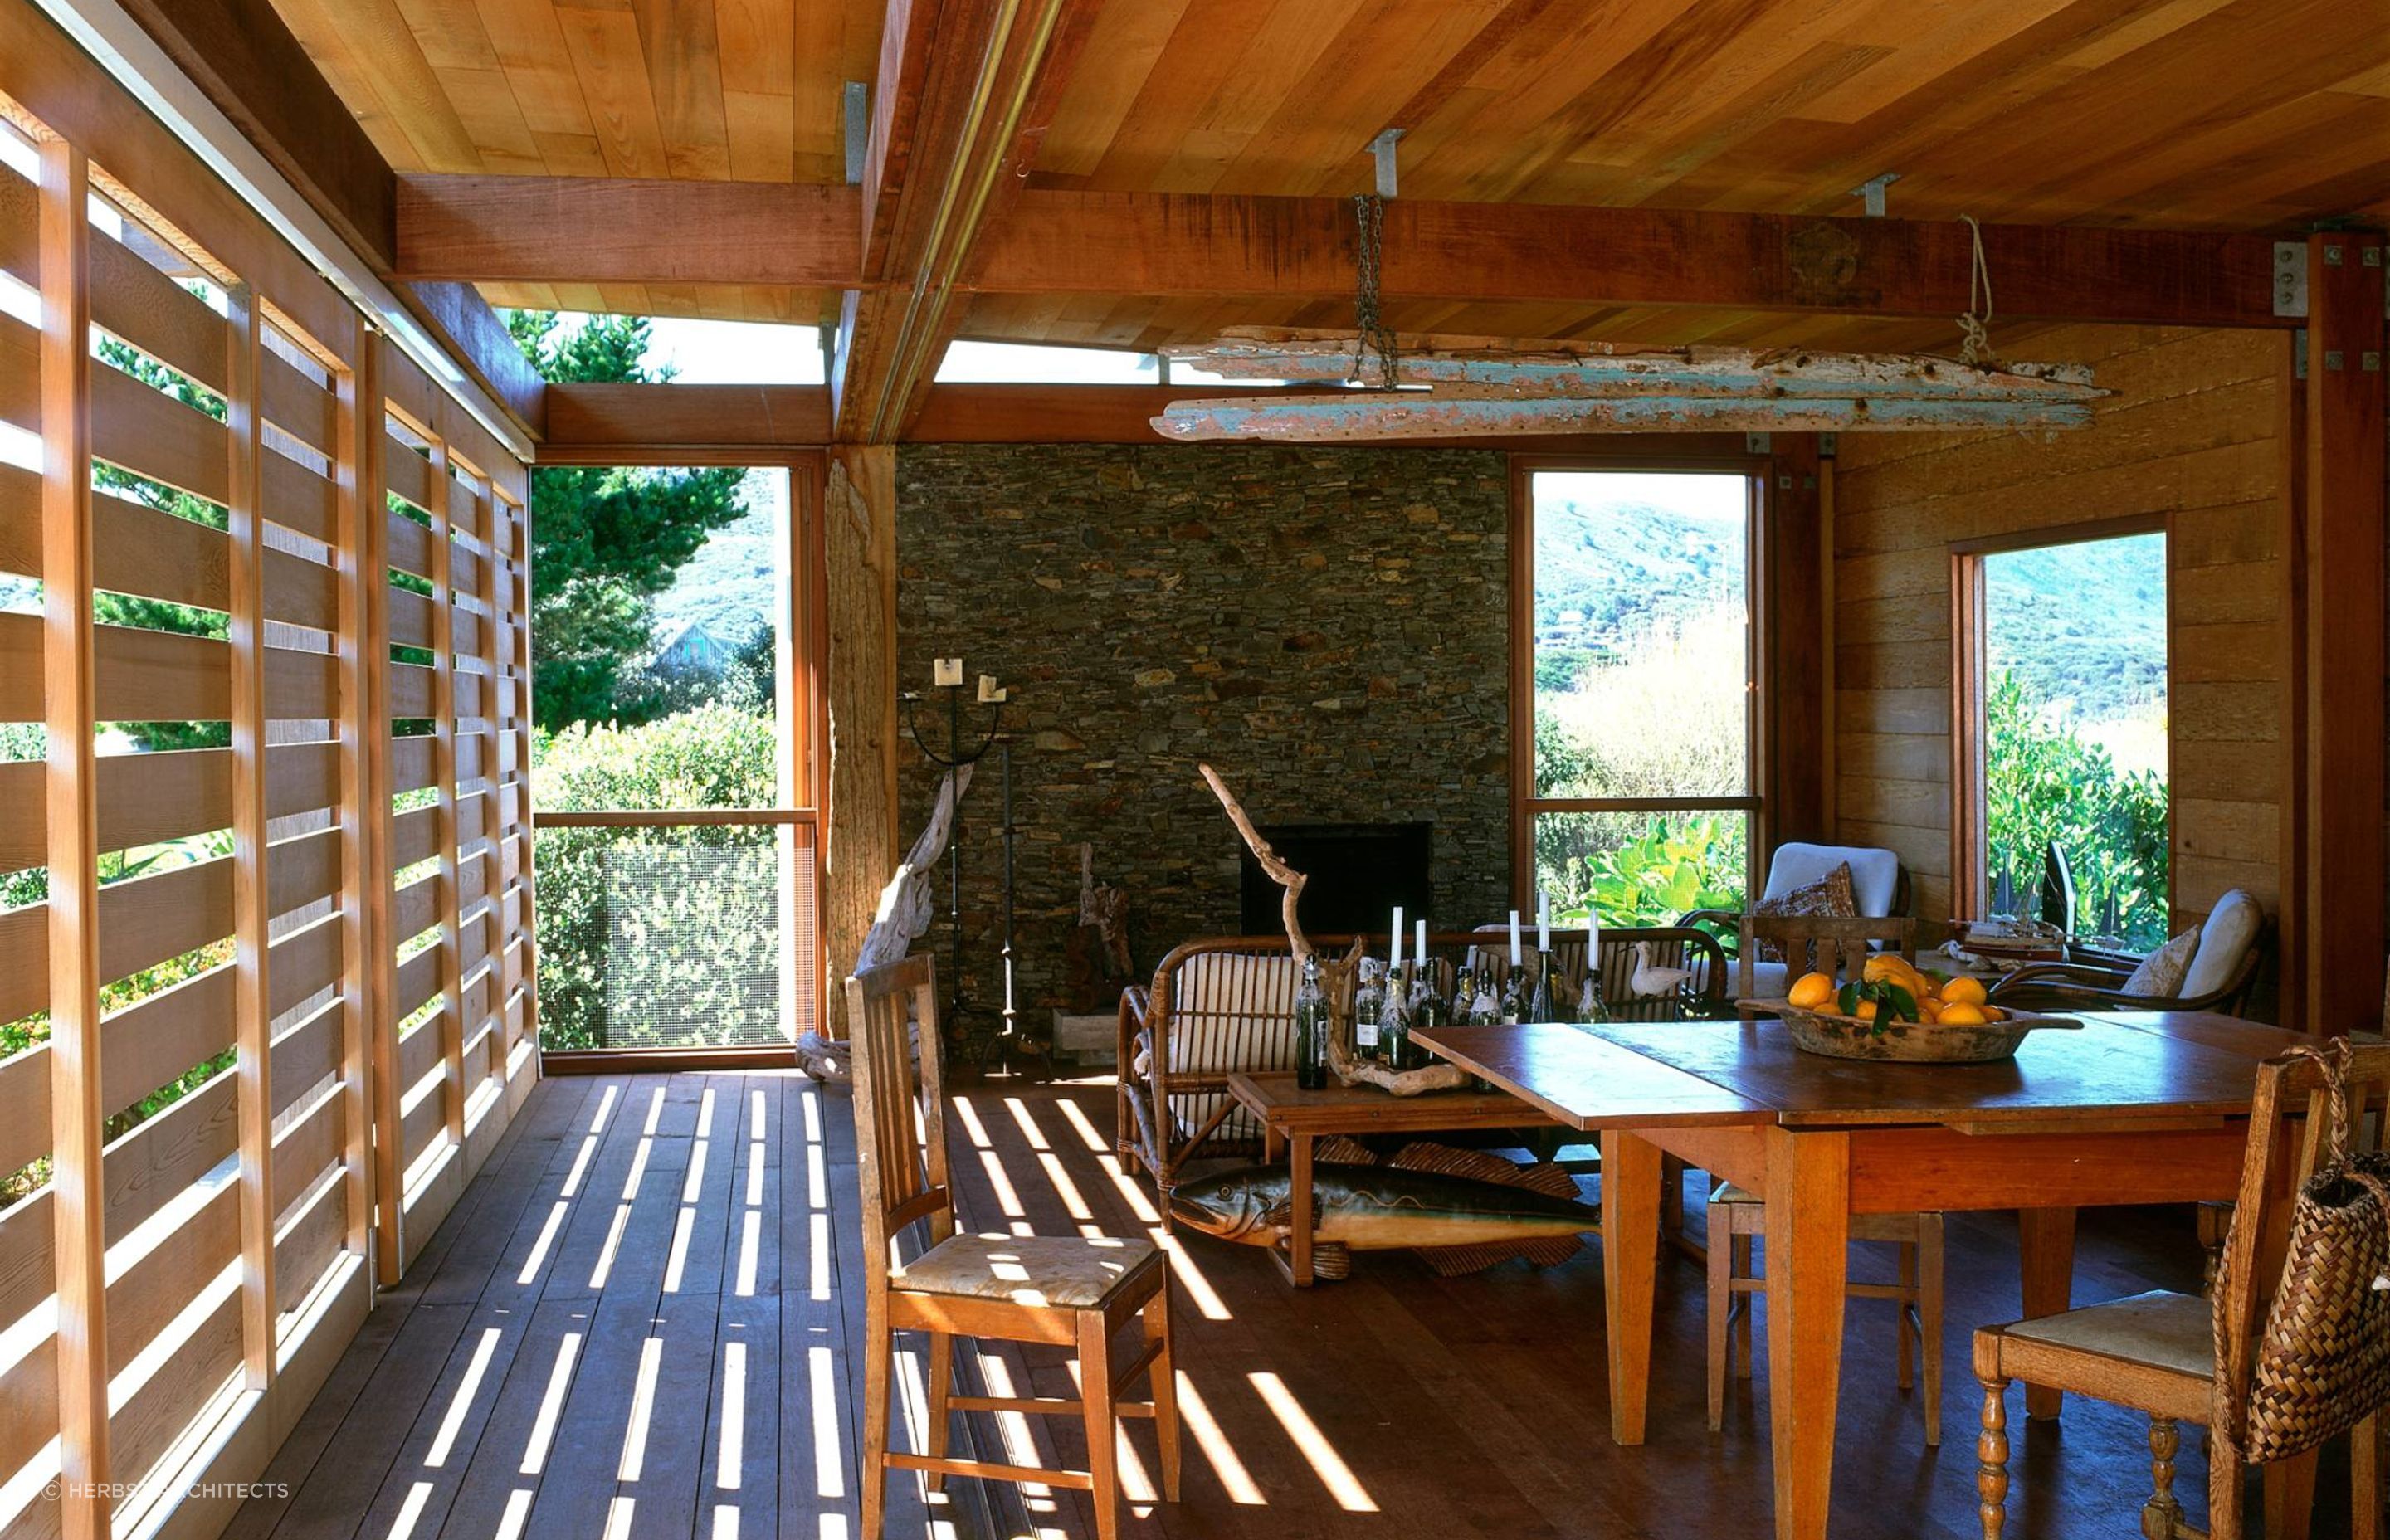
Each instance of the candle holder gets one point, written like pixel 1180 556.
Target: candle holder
pixel 966 745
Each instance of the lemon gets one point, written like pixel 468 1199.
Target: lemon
pixel 1811 991
pixel 1994 1013
pixel 1963 1016
pixel 1867 1010
pixel 1964 991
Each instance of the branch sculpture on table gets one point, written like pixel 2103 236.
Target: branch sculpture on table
pixel 1335 977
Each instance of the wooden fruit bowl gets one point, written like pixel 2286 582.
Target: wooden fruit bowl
pixel 1838 1036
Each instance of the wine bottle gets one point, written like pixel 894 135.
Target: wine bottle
pixel 1590 1007
pixel 1484 1006
pixel 1428 1012
pixel 1394 1019
pixel 1310 1029
pixel 1369 1004
pixel 1541 1007
pixel 1514 1007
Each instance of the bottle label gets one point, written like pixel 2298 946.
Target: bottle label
pixel 1365 1033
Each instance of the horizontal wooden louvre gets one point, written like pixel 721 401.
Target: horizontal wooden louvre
pixel 202 1248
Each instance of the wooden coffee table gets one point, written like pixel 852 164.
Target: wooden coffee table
pixel 1293 1119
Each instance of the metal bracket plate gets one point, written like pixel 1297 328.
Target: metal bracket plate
pixel 1756 443
pixel 2290 278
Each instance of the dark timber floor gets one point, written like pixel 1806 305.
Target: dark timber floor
pixel 641 1320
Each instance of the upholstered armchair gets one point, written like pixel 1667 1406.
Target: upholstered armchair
pixel 2220 973
pixel 1879 890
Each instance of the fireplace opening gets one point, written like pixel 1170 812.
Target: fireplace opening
pixel 1358 873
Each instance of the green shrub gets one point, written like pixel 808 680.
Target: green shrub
pixel 1674 863
pixel 2044 783
pixel 683 920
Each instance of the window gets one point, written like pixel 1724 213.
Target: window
pixel 1634 724
pixel 678 762
pixel 1039 363
pixel 2062 696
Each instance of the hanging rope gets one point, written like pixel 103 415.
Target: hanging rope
pixel 1977 345
pixel 1369 213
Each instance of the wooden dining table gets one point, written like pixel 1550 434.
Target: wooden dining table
pixel 2144 1107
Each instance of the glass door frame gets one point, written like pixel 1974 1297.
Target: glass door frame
pixel 802 691
pixel 1758 471
pixel 1970 895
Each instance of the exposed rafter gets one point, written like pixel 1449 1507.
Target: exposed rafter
pixel 475 228
pixel 966 89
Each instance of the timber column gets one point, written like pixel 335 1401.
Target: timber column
pixel 859 848
pixel 2346 647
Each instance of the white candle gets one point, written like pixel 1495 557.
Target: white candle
pixel 1396 963
pixel 1419 942
pixel 1544 922
pixel 1514 938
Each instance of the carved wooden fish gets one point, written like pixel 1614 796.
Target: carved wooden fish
pixel 1461 1223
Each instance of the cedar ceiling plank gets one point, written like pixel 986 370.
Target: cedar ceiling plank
pixel 683 51
pixel 627 230
pixel 611 62
pixel 250 66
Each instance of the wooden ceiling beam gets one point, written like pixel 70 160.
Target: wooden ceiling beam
pixel 245 59
pixel 966 90
pixel 1229 247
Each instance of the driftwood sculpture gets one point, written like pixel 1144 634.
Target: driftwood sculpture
pixel 1335 976
pixel 906 907
pixel 1104 910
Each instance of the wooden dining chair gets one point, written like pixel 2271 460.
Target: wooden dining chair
pixel 1074 1292
pixel 1838 945
pixel 2157 1353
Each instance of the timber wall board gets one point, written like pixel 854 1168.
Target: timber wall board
pixel 2192 436
pixel 264 887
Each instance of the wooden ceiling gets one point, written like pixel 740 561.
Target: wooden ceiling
pixel 2213 114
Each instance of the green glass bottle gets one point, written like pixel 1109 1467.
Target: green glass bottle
pixel 1541 1007
pixel 1310 1029
pixel 1428 1012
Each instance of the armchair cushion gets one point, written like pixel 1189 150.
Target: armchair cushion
pixel 1830 896
pixel 2224 943
pixel 1875 874
pixel 2160 973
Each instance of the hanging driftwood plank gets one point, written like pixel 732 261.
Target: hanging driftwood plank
pixel 1483 387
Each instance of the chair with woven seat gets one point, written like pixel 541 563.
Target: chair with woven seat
pixel 2220 973
pixel 2157 1353
pixel 1065 1291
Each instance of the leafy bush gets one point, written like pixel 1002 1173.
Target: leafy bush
pixel 684 921
pixel 1677 862
pixel 2043 782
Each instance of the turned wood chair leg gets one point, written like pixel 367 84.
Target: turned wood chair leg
pixel 1992 1458
pixel 1719 1306
pixel 1165 1391
pixel 2225 1469
pixel 1929 1321
pixel 2365 1480
pixel 1095 1396
pixel 1904 1320
pixel 880 1347
pixel 942 1383
pixel 1741 1265
pixel 2162 1516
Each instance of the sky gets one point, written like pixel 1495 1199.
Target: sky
pixel 760 352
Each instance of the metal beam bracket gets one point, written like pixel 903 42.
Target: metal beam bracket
pixel 1872 190
pixel 2290 278
pixel 858 130
pixel 1382 149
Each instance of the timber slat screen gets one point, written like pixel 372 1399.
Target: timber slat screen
pixel 266 970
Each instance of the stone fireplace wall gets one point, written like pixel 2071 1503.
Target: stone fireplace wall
pixel 1328 627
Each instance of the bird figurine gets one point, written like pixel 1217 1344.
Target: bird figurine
pixel 1654 982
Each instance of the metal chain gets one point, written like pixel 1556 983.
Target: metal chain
pixel 1369 213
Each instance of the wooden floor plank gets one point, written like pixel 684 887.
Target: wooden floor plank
pixel 1395 1403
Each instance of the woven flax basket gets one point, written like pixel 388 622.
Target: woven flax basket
pixel 2321 1363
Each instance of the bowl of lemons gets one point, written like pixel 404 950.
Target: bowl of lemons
pixel 1896 1012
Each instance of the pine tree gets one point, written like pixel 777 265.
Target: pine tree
pixel 606 541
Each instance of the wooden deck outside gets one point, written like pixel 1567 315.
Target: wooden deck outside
pixel 641 1319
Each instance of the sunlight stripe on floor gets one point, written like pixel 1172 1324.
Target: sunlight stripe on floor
pixel 580 1164
pixel 829 1479
pixel 643 1409
pixel 1325 1462
pixel 598 1274
pixel 751 1250
pixel 462 1402
pixel 618 1518
pixel 543 1428
pixel 1198 1418
pixel 730 1466
pixel 538 1257
pixel 605 1107
pixel 411 1511
pixel 679 1257
pixel 510 1522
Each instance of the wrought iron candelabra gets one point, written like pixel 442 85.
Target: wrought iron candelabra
pixel 960 749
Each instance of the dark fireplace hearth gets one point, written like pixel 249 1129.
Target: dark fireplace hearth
pixel 1357 872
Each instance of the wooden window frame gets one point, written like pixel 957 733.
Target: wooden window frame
pixel 1756 471
pixel 1969 816
pixel 804 747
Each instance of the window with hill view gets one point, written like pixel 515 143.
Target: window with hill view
pixel 2072 733
pixel 1641 796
